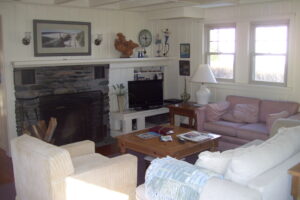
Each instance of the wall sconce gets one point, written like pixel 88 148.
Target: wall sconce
pixel 27 38
pixel 98 39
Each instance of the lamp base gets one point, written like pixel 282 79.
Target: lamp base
pixel 203 95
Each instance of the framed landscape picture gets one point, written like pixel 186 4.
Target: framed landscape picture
pixel 185 50
pixel 61 38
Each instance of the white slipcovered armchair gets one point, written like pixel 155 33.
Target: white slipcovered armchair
pixel 71 172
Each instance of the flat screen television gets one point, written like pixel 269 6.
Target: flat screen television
pixel 145 94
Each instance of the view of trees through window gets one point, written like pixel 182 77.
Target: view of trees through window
pixel 270 53
pixel 221 51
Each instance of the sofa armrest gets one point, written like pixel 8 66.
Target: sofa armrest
pixel 275 183
pixel 295 116
pixel 221 189
pixel 283 122
pixel 201 118
pixel 80 148
pixel 116 177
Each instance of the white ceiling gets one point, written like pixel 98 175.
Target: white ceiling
pixel 141 5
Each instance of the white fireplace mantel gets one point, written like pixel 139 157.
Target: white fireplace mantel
pixel 114 62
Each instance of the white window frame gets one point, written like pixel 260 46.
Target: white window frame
pixel 209 27
pixel 272 23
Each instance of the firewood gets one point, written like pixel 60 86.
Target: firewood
pixel 51 128
pixel 42 126
pixel 36 132
pixel 40 130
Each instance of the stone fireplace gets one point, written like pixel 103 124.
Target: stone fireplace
pixel 76 95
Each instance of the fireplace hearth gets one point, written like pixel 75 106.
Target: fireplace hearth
pixel 76 95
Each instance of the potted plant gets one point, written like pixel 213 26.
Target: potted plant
pixel 120 92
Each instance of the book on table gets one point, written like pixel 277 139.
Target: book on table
pixel 148 135
pixel 195 136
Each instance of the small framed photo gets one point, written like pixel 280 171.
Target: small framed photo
pixel 185 50
pixel 61 38
pixel 184 67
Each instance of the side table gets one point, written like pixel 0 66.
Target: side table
pixel 295 172
pixel 184 109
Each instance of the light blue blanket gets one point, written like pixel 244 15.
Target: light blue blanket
pixel 172 179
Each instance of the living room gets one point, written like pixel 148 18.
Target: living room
pixel 187 22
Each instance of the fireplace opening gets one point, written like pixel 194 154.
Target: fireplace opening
pixel 79 116
pixel 76 95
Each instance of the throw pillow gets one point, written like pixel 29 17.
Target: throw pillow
pixel 218 161
pixel 246 166
pixel 228 116
pixel 271 118
pixel 214 111
pixel 246 112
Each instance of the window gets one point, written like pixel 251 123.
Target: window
pixel 221 50
pixel 269 53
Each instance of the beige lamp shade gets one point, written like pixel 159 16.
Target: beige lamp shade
pixel 204 75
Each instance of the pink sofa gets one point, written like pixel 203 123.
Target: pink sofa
pixel 235 134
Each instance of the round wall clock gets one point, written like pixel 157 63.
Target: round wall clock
pixel 145 38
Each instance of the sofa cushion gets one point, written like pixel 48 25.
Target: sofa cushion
pixel 265 156
pixel 214 111
pixel 218 161
pixel 268 107
pixel 86 162
pixel 228 116
pixel 241 100
pixel 222 127
pixel 234 100
pixel 271 118
pixel 246 112
pixel 253 131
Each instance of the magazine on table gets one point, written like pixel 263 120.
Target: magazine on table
pixel 195 136
pixel 148 135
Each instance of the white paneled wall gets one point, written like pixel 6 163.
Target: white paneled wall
pixel 17 19
pixel 182 31
pixel 191 31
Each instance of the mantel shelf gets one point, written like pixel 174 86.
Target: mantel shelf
pixel 67 62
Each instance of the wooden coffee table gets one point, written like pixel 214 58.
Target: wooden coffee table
pixel 156 148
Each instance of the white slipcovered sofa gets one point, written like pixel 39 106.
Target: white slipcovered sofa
pixel 71 172
pixel 256 171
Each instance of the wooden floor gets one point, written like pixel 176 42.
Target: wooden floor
pixel 6 169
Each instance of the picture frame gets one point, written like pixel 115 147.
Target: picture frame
pixel 184 68
pixel 185 50
pixel 61 38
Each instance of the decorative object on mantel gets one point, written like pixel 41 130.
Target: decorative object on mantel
pixel 166 46
pixel 185 50
pixel 145 40
pixel 158 44
pixel 61 38
pixel 27 38
pixel 98 39
pixel 184 70
pixel 120 92
pixel 148 73
pixel 41 131
pixel 124 46
pixel 203 75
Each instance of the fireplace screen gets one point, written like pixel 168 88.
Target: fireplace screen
pixel 79 116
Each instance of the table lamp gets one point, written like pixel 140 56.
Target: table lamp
pixel 203 75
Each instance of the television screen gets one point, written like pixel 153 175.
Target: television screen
pixel 145 94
